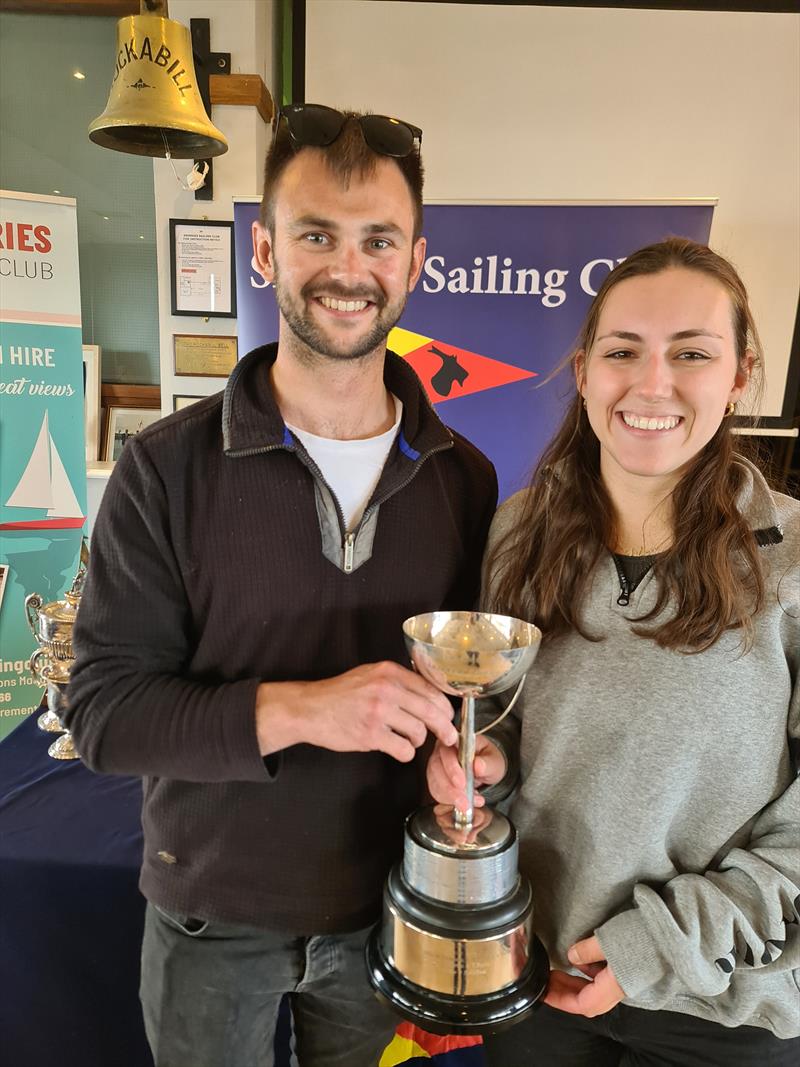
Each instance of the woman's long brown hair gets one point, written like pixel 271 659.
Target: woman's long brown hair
pixel 711 572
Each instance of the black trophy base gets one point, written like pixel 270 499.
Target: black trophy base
pixel 441 1013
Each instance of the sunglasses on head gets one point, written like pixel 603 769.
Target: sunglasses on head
pixel 317 126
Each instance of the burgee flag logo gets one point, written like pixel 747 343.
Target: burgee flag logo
pixel 448 372
pixel 411 1044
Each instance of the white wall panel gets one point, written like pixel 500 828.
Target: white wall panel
pixel 531 103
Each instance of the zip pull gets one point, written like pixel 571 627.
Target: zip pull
pixel 624 597
pixel 349 546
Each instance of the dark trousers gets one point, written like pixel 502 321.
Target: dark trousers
pixel 211 991
pixel 630 1037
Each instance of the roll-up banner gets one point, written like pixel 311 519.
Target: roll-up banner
pixel 42 453
pixel 498 306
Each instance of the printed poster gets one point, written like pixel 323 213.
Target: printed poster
pixel 42 452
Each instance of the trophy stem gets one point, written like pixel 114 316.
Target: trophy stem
pixel 466 757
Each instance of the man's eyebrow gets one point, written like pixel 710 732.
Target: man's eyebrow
pixel 384 227
pixel 681 335
pixel 316 222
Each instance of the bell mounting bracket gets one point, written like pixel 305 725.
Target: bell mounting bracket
pixel 206 63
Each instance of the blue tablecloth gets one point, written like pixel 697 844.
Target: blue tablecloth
pixel 71 915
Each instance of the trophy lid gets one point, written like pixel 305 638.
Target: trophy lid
pixel 57 614
pixel 60 611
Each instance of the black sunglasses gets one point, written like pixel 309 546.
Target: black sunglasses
pixel 317 126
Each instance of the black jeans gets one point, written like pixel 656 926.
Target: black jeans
pixel 210 994
pixel 630 1037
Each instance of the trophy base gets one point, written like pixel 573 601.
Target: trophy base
pixel 63 748
pixel 50 723
pixel 442 1013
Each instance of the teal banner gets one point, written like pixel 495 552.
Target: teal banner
pixel 42 452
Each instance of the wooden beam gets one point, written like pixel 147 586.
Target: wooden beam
pixel 119 395
pixel 117 8
pixel 242 89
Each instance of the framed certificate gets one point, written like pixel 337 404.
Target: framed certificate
pixel 204 355
pixel 202 268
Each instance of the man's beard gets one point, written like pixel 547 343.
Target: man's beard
pixel 314 338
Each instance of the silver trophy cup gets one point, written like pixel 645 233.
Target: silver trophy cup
pixel 51 625
pixel 455 951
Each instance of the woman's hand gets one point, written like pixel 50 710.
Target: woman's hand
pixel 446 779
pixel 575 995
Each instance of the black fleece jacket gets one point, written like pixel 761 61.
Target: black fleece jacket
pixel 207 575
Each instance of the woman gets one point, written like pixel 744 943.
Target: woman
pixel 657 803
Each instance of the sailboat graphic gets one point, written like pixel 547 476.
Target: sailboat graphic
pixel 45 484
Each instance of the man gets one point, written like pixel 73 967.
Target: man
pixel 239 640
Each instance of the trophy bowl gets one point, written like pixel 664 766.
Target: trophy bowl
pixel 455 951
pixel 471 653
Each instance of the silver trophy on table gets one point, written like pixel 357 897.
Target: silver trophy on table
pixel 51 624
pixel 455 951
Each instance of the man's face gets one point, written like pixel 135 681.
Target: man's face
pixel 343 260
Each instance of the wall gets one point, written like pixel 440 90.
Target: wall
pixel 44 116
pixel 530 103
pixel 249 39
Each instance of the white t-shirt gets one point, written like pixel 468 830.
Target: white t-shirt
pixel 351 468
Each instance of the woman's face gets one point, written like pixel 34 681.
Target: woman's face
pixel 659 374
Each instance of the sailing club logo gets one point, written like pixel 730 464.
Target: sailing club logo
pixel 447 371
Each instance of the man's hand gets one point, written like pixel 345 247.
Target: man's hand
pixel 378 707
pixel 575 995
pixel 447 782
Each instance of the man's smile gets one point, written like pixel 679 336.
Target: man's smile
pixel 343 306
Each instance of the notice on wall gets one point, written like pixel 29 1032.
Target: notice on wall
pixel 42 452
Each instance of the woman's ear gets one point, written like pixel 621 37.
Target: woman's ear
pixel 742 379
pixel 579 366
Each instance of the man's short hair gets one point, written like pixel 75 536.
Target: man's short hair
pixel 348 154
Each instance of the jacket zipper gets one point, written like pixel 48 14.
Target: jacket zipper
pixel 624 597
pixel 349 542
pixel 349 549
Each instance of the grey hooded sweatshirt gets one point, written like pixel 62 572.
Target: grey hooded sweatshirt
pixel 658 804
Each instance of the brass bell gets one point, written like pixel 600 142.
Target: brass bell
pixel 154 107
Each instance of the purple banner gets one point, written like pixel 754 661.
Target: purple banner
pixel 497 307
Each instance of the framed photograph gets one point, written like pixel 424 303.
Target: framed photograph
pixel 202 268
pixel 205 355
pixel 181 402
pixel 124 423
pixel 91 401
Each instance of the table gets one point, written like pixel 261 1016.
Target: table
pixel 71 920
pixel 71 915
